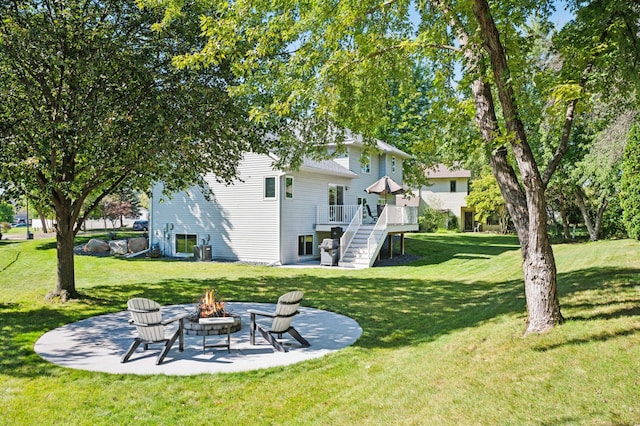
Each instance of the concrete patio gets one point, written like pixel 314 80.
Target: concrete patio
pixel 97 344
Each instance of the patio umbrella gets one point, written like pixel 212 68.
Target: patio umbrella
pixel 385 185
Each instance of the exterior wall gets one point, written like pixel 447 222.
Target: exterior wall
pixel 240 224
pixel 439 196
pixel 358 186
pixel 380 166
pixel 237 222
pixel 299 213
pixel 386 167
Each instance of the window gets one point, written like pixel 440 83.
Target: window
pixel 270 187
pixel 336 202
pixel 393 164
pixel 288 187
pixel 493 219
pixel 452 186
pixel 305 245
pixel 185 243
pixel 365 163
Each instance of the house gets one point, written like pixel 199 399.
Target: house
pixel 447 192
pixel 272 216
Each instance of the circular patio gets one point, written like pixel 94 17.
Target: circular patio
pixel 98 343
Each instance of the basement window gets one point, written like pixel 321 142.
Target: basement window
pixel 185 243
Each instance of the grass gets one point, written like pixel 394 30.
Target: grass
pixel 441 341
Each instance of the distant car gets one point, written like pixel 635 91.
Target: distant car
pixel 141 225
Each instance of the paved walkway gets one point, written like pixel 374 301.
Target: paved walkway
pixel 97 344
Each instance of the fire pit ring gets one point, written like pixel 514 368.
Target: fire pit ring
pixel 193 327
pixel 211 306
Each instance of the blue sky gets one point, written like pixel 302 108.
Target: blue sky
pixel 561 15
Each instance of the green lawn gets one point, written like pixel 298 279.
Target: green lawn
pixel 441 341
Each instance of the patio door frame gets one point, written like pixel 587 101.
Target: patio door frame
pixel 335 194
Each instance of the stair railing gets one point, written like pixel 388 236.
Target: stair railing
pixel 377 236
pixel 350 232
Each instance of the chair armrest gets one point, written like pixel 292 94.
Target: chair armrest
pixel 173 319
pixel 261 313
pixel 141 324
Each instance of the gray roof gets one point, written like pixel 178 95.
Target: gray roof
pixel 357 140
pixel 328 167
pixel 442 171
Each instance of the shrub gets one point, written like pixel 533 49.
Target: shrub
pixel 431 220
pixel 630 184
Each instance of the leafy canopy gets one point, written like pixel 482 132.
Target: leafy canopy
pixel 89 102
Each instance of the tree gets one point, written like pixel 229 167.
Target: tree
pixel 486 199
pixel 114 208
pixel 347 62
pixel 6 212
pixel 596 176
pixel 630 184
pixel 120 205
pixel 90 104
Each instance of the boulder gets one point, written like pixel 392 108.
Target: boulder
pixel 95 246
pixel 118 247
pixel 138 244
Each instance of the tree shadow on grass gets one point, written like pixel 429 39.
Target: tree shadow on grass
pixel 393 312
pixel 604 336
pixel 598 294
pixel 613 293
pixel 439 248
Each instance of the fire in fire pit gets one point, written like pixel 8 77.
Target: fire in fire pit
pixel 210 306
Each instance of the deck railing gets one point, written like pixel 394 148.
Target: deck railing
pixel 401 215
pixel 337 214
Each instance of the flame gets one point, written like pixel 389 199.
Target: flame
pixel 211 305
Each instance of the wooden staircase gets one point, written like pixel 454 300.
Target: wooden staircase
pixel 357 255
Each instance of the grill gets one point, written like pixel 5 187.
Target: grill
pixel 329 252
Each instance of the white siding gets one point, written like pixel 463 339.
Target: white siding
pixel 385 167
pixel 379 165
pixel 299 214
pixel 439 195
pixel 241 224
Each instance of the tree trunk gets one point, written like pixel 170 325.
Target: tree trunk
pixel 66 286
pixel 582 205
pixel 43 221
pixel 526 202
pixel 539 267
pixel 565 218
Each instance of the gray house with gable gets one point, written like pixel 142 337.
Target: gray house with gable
pixel 273 216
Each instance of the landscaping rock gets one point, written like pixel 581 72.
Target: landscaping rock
pixel 138 244
pixel 95 246
pixel 118 247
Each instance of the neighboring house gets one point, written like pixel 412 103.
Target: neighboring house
pixel 446 192
pixel 281 216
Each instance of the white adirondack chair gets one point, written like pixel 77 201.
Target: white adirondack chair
pixel 146 315
pixel 286 309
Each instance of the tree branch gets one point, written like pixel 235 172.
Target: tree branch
pixel 563 146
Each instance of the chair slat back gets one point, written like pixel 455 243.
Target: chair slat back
pixel 146 311
pixel 286 309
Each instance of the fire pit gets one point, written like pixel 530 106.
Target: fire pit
pixel 211 306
